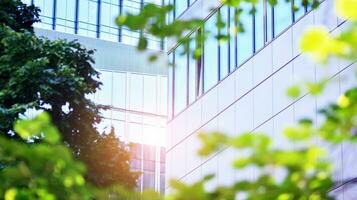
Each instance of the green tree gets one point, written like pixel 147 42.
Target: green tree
pixel 48 170
pixel 45 171
pixel 55 76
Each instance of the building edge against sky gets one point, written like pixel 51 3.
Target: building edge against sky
pixel 241 86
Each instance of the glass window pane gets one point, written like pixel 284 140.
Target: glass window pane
pixel 162 101
pixel 119 127
pixel 170 86
pixel 224 47
pixel 136 92
pixel 65 16
pixel 211 55
pixel 130 37
pixel 134 133
pixel 180 7
pixel 87 17
pixel 46 14
pixel 232 39
pixel 282 16
pixel 27 2
pixel 269 21
pixel 150 94
pixel 180 80
pixel 192 73
pixel 171 16
pixel 119 90
pixel 300 9
pixel 192 1
pixel 245 39
pixel 108 28
pixel 105 92
pixel 259 26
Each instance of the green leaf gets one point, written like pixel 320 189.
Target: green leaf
pixel 294 91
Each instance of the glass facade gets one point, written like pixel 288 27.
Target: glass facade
pixel 210 54
pixel 93 18
pixel 224 45
pixel 219 58
pixel 180 83
pixel 137 112
pixel 180 7
pixel 150 161
pixel 124 93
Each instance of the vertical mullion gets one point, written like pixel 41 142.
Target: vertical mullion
pixel 235 41
pixel 120 29
pixel 32 2
pixel 253 26
pixel 292 11
pixel 228 41
pixel 99 5
pixel 219 49
pixel 174 1
pixel 76 16
pixel 228 24
pixel 273 21
pixel 203 62
pixel 54 14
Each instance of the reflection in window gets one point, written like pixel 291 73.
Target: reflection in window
pixel 300 9
pixel 232 40
pixel 87 17
pixel 108 28
pixel 171 14
pixel 180 80
pixel 259 26
pixel 128 36
pixel 46 14
pixel 65 16
pixel 149 180
pixel 192 73
pixel 180 6
pixel 269 22
pixel 245 39
pixel 282 16
pixel 210 54
pixel 224 46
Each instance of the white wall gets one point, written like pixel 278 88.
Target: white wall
pixel 253 98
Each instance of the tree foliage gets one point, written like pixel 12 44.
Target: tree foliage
pixel 45 171
pixel 55 76
pixel 48 170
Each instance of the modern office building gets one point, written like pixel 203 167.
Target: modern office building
pixel 240 86
pixel 133 88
